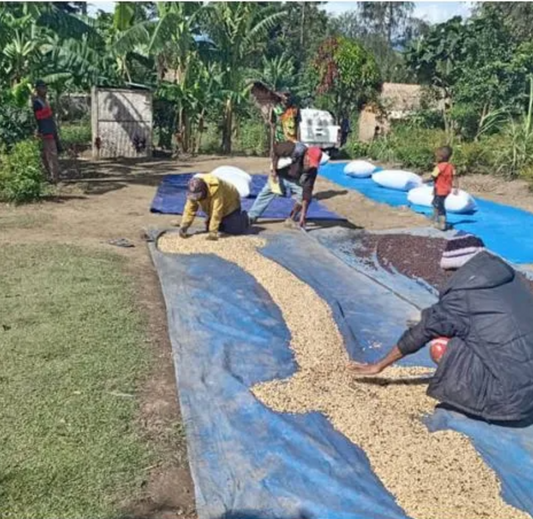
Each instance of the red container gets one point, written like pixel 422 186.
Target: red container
pixel 437 348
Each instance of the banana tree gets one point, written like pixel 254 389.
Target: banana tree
pixel 238 30
pixel 170 42
pixel 22 53
pixel 278 72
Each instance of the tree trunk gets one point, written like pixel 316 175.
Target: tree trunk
pixel 272 131
pixel 390 24
pixel 186 133
pixel 179 131
pixel 226 130
pixel 449 129
pixel 199 133
pixel 58 108
pixel 302 27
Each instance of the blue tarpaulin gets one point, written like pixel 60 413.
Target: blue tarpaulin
pixel 250 462
pixel 171 196
pixel 503 228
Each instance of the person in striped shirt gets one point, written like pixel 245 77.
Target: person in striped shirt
pixel 46 130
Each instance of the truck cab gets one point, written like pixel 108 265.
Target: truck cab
pixel 318 128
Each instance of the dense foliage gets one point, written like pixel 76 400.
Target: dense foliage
pixel 21 173
pixel 347 75
pixel 200 59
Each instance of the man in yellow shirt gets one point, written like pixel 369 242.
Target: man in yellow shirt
pixel 221 203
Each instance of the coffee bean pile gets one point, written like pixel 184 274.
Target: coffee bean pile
pixel 436 475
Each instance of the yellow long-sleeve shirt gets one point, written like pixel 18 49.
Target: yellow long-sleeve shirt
pixel 222 200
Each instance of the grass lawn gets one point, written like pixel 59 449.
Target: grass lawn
pixel 72 353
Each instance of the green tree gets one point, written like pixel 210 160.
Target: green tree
pixel 387 19
pixel 277 72
pixel 478 68
pixel 347 75
pixel 516 16
pixel 239 31
pixel 299 33
pixel 385 30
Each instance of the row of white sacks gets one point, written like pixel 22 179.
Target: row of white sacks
pixel 418 192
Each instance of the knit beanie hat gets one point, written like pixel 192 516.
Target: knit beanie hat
pixel 460 250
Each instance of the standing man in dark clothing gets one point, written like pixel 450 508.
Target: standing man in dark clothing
pixel 345 131
pixel 486 312
pixel 46 130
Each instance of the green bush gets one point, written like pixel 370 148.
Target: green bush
pixel 382 150
pixel 252 138
pixel 21 173
pixel 512 150
pixel 165 119
pixel 508 153
pixel 354 148
pixel 211 140
pixel 415 147
pixel 16 124
pixel 75 134
pixel 411 146
pixel 474 157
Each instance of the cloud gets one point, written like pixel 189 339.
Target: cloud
pixel 438 12
pixel 433 12
pixel 94 7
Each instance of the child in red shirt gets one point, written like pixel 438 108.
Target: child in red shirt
pixel 445 182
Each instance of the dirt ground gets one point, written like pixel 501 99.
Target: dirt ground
pixel 517 192
pixel 100 201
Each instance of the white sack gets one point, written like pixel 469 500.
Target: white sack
pixel 235 176
pixel 397 179
pixel 359 169
pixel 463 202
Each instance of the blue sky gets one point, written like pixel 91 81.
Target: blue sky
pixel 433 12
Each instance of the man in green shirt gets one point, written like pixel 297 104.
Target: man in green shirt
pixel 286 119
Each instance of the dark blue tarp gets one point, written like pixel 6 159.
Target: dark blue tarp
pixel 503 228
pixel 250 462
pixel 171 196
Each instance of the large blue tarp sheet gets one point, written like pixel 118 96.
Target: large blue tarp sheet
pixel 250 462
pixel 171 196
pixel 503 228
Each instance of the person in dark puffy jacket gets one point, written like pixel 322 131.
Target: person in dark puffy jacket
pixel 486 309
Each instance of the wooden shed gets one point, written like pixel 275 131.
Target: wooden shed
pixel 122 122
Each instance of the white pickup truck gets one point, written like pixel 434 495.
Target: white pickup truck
pixel 318 128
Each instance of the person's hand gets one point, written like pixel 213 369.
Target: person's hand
pixel 183 232
pixel 302 222
pixel 364 370
pixel 212 236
